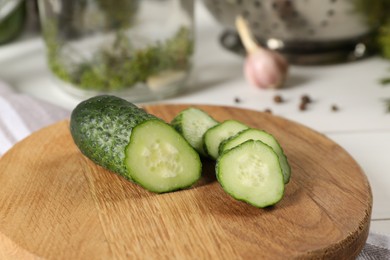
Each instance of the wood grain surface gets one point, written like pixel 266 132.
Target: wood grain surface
pixel 56 204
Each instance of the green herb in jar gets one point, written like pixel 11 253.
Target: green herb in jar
pixel 387 104
pixel 120 66
pixel 385 81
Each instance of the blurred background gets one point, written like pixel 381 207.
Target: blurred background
pixel 134 49
pixel 295 22
pixel 65 51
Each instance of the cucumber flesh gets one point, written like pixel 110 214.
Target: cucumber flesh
pixel 220 132
pixel 256 134
pixel 159 159
pixel 251 173
pixel 192 123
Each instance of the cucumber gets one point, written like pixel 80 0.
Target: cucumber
pixel 192 123
pixel 218 133
pixel 101 128
pixel 127 140
pixel 256 134
pixel 251 172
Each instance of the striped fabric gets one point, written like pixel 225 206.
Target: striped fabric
pixel 20 115
pixel 377 248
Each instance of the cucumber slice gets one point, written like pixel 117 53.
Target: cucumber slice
pixel 192 123
pixel 251 173
pixel 159 159
pixel 217 134
pixel 256 134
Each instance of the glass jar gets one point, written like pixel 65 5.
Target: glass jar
pixel 138 49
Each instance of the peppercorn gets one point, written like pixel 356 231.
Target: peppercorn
pixel 278 99
pixel 303 106
pixel 306 99
pixel 334 108
pixel 267 110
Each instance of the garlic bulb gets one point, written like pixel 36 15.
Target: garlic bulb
pixel 263 68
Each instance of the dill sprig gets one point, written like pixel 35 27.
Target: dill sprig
pixel 387 104
pixel 385 82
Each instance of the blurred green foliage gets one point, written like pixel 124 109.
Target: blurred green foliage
pixel 13 24
pixel 384 30
pixel 378 16
pixel 119 12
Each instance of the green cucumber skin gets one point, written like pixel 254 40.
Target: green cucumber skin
pixel 176 123
pixel 101 128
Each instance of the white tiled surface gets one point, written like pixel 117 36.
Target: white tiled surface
pixel 361 126
pixel 380 226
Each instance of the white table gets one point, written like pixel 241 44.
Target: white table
pixel 361 125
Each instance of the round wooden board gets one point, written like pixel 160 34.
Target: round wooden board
pixel 55 203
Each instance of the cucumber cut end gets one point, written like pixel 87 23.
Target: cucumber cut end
pixel 192 123
pixel 220 132
pixel 251 173
pixel 159 159
pixel 267 138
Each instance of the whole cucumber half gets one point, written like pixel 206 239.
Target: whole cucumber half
pixel 156 157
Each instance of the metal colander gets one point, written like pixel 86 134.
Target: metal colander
pixel 306 31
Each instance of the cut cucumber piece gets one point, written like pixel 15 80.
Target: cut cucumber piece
pixel 192 123
pixel 117 135
pixel 256 134
pixel 251 172
pixel 159 159
pixel 101 128
pixel 220 132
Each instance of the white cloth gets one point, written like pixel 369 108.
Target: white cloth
pixel 21 115
pixel 377 248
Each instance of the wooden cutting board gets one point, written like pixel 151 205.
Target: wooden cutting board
pixel 55 203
